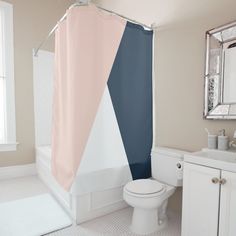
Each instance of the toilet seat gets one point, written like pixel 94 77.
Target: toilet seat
pixel 145 188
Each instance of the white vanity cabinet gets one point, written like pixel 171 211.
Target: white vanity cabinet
pixel 200 201
pixel 209 199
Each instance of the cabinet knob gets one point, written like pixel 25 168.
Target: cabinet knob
pixel 222 181
pixel 215 180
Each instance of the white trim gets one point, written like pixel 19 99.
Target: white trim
pixel 6 147
pixel 11 172
pixel 10 83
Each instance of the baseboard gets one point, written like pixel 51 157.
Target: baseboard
pixel 11 172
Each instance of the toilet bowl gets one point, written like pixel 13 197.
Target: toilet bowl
pixel 149 197
pixel 149 200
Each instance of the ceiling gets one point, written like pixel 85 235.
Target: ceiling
pixel 166 12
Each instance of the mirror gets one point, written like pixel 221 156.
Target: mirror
pixel 220 74
pixel 229 93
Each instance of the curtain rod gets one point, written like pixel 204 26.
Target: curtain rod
pixel 78 4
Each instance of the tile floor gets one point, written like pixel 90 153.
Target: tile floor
pixel 115 224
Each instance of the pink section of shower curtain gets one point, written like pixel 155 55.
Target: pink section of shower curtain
pixel 86 46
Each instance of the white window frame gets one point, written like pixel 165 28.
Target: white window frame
pixel 10 143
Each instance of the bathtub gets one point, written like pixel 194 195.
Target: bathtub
pixel 96 191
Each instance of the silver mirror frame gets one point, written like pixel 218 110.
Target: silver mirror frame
pixel 214 108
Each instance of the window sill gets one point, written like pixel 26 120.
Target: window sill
pixel 8 147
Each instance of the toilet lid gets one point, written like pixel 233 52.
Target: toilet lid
pixel 144 186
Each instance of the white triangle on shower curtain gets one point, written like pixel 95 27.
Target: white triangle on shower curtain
pixel 105 150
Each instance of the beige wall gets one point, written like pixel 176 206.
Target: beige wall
pixel 179 65
pixel 33 19
pixel 180 86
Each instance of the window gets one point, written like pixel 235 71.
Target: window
pixel 7 93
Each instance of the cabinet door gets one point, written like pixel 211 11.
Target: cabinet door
pixel 227 223
pixel 200 201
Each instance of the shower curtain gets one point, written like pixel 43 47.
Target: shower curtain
pixel 102 105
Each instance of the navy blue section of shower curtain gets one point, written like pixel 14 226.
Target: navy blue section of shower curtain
pixel 130 87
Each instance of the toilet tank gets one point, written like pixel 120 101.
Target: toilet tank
pixel 167 165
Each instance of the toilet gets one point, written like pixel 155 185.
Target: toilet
pixel 149 197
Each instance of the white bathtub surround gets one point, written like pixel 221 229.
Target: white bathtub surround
pixel 104 168
pixel 97 190
pixel 149 198
pixel 43 65
pixel 36 215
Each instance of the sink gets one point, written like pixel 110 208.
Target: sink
pixel 224 160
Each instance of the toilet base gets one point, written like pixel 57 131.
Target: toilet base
pixel 145 221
